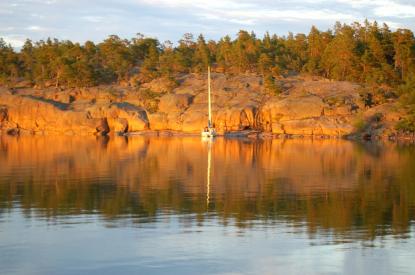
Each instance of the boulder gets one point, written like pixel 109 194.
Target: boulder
pixel 121 117
pixel 235 118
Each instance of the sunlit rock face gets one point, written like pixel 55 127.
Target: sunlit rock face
pixel 314 108
pixel 335 185
pixel 30 114
pixel 304 107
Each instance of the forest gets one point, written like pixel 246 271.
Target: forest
pixel 365 53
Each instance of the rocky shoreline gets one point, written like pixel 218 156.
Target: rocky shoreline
pixel 258 135
pixel 306 107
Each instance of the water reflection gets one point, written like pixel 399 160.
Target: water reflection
pixel 335 188
pixel 209 165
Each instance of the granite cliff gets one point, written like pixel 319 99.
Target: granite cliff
pixel 304 107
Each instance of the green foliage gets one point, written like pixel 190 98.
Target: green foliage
pixel 270 87
pixel 406 124
pixel 150 100
pixel 224 57
pixel 360 124
pixel 167 59
pixel 265 64
pixel 339 59
pixel 115 55
pixel 373 48
pixel 170 83
pixel 404 45
pixel 245 51
pixel 149 68
pixel 407 99
pixel 9 63
pixel 184 53
pixel 364 53
pixel 201 57
pixel 407 90
pixel 317 42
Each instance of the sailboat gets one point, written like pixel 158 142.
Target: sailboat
pixel 209 131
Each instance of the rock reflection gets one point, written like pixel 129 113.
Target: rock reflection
pixel 353 191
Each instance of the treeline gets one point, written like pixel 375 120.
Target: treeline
pixel 364 53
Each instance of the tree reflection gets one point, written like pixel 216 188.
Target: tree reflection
pixel 353 191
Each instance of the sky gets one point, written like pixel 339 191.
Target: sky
pixel 82 20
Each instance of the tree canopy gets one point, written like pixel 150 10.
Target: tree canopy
pixel 363 53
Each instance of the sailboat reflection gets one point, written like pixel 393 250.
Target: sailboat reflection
pixel 209 160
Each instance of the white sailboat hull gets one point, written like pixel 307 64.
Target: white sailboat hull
pixel 209 133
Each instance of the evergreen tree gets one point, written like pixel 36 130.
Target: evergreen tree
pixel 366 53
pixel 245 51
pixel 270 87
pixel 9 63
pixel 265 64
pixel 316 47
pixel 167 59
pixel 404 46
pixel 184 53
pixel 339 59
pixel 224 54
pixel 116 56
pixel 201 57
pixel 149 68
pixel 27 60
pixel 387 44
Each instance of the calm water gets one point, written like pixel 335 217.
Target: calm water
pixel 183 206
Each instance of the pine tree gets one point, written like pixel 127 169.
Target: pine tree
pixel 246 52
pixel 184 53
pixel 224 54
pixel 9 63
pixel 365 53
pixel 27 60
pixel 316 47
pixel 149 68
pixel 339 59
pixel 265 64
pixel 166 60
pixel 270 87
pixel 404 45
pixel 116 56
pixel 201 57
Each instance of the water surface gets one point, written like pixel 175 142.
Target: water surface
pixel 87 205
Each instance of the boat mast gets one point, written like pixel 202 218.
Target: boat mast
pixel 209 100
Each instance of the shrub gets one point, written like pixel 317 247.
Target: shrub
pixel 150 100
pixel 360 124
pixel 406 125
pixel 270 87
